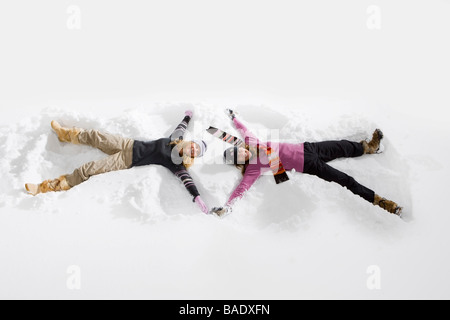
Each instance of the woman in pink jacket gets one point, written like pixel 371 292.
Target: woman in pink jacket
pixel 309 158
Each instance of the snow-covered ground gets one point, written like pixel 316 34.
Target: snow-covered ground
pixel 294 71
pixel 136 233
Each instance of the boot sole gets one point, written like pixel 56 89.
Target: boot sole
pixel 33 189
pixel 380 149
pixel 380 134
pixel 55 125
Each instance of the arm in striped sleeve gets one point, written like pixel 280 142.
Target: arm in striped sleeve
pixel 187 180
pixel 179 131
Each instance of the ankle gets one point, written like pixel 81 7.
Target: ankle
pixel 366 147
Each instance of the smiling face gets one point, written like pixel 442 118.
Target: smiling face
pixel 243 155
pixel 191 150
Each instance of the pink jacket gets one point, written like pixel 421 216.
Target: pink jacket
pixel 291 156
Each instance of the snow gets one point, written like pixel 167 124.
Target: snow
pixel 138 229
pixel 308 75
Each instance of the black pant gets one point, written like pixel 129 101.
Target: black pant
pixel 318 154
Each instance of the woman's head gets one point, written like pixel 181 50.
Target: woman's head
pixel 194 148
pixel 189 150
pixel 240 157
pixel 235 155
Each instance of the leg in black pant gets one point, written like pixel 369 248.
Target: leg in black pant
pixel 330 150
pixel 316 156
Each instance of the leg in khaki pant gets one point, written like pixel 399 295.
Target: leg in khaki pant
pixel 108 143
pixel 118 149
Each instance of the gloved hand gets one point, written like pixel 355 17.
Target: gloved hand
pixel 201 205
pixel 230 113
pixel 189 113
pixel 221 211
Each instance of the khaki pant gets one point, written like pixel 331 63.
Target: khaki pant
pixel 120 151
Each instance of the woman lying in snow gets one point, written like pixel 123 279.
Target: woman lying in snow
pixel 310 158
pixel 173 153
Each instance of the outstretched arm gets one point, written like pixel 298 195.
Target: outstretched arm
pixel 189 184
pixel 242 128
pixel 247 182
pixel 179 131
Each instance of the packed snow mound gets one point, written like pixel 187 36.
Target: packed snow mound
pixel 31 152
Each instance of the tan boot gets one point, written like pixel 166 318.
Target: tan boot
pixel 388 205
pixel 66 134
pixel 374 145
pixel 59 184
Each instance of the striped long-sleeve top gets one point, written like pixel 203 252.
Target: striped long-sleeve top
pixel 161 152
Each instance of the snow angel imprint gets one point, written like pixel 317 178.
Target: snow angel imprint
pixel 310 158
pixel 173 153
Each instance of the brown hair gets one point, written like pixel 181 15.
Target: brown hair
pixel 188 161
pixel 243 167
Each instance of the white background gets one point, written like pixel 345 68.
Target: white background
pixel 225 50
pixel 300 55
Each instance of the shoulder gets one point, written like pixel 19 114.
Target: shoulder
pixel 253 169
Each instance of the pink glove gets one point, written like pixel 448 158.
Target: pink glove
pixel 189 113
pixel 201 204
